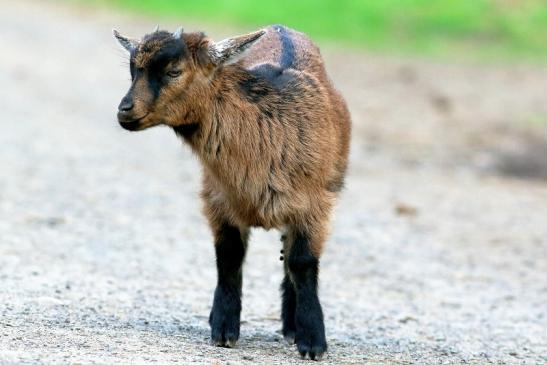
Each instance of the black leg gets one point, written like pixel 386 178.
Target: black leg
pixel 288 309
pixel 288 296
pixel 304 270
pixel 225 315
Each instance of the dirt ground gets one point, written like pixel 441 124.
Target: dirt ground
pixel 438 252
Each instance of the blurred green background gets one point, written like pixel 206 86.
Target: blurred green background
pixel 511 29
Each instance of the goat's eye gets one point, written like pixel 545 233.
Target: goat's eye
pixel 173 73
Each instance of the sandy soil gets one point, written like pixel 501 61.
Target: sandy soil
pixel 438 252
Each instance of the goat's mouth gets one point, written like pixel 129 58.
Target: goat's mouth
pixel 133 124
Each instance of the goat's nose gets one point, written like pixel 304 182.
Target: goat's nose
pixel 126 105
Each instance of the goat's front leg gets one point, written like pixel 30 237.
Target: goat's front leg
pixel 303 269
pixel 230 246
pixel 288 296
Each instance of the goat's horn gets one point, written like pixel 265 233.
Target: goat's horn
pixel 157 28
pixel 177 33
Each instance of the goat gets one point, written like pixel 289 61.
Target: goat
pixel 272 135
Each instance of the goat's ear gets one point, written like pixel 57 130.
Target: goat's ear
pixel 228 50
pixel 127 43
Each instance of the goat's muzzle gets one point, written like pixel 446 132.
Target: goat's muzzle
pixel 126 114
pixel 128 121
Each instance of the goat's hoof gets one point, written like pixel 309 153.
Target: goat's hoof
pixel 306 347
pixel 289 336
pixel 222 337
pixel 315 353
pixel 230 343
pixel 224 328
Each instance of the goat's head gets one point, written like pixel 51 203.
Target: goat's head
pixel 170 72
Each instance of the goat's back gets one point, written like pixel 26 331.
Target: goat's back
pixel 287 49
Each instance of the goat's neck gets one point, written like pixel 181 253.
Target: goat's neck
pixel 224 118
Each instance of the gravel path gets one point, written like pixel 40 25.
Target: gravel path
pixel 105 258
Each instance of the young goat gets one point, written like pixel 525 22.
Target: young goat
pixel 273 136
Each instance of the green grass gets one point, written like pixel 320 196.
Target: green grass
pixel 515 29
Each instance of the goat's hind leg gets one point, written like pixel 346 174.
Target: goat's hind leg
pixel 303 267
pixel 288 298
pixel 230 247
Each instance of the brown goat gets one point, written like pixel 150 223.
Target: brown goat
pixel 273 136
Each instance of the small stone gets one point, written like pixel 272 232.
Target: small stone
pixel 407 319
pixel 403 209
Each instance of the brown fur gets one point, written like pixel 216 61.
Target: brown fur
pixel 273 157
